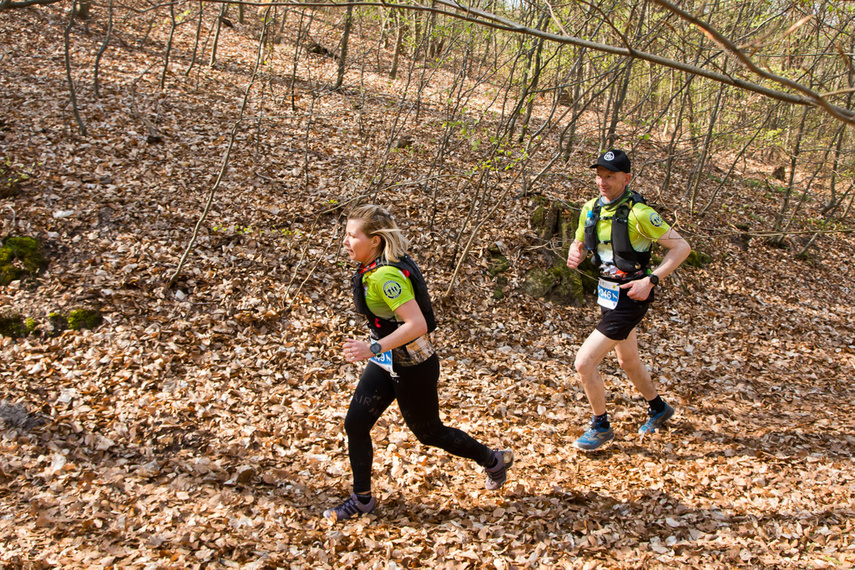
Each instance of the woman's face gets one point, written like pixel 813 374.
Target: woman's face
pixel 359 246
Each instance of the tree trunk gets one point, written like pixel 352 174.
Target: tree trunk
pixel 198 37
pixel 82 9
pixel 399 44
pixel 617 106
pixel 74 109
pixel 785 203
pixel 168 45
pixel 698 175
pixel 223 11
pixel 531 90
pixel 345 38
pixel 672 144
pixel 103 46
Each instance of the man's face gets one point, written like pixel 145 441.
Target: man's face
pixel 611 184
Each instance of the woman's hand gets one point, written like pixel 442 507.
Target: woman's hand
pixel 412 327
pixel 356 350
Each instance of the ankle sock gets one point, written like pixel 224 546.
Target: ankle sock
pixel 602 421
pixel 364 499
pixel 493 462
pixel 657 404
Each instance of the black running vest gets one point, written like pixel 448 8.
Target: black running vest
pixel 626 258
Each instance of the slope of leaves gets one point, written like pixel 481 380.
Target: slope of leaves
pixel 201 425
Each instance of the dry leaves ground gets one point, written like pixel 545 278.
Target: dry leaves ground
pixel 201 425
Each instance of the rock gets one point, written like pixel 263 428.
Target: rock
pixel 245 475
pixel 558 284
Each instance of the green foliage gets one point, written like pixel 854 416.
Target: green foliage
pixel 773 135
pixel 20 257
pixel 10 180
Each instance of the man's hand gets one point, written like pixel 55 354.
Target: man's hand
pixel 576 254
pixel 639 290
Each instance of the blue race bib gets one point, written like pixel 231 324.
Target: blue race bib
pixel 608 293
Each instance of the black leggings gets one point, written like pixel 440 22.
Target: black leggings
pixel 415 390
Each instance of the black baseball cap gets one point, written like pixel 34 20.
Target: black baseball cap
pixel 615 160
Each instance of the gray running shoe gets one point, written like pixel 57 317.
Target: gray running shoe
pixel 655 421
pixel 496 476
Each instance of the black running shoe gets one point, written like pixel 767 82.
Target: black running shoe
pixel 350 508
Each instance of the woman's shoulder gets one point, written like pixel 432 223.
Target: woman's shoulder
pixel 387 272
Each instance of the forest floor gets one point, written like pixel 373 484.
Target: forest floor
pixel 200 426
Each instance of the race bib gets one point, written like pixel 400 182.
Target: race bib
pixel 608 293
pixel 384 361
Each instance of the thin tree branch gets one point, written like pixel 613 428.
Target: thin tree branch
pixel 224 165
pixel 67 37
pixel 761 41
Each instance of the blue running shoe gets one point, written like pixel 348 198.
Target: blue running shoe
pixel 655 421
pixel 594 438
pixel 350 508
pixel 497 475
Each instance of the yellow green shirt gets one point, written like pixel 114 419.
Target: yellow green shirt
pixel 386 289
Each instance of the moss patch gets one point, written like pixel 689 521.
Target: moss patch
pixel 698 259
pixel 12 325
pixel 498 264
pixel 20 257
pixel 84 319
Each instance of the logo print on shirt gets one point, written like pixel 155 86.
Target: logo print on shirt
pixel 392 289
pixel 655 219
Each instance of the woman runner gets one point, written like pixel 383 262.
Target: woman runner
pixel 388 288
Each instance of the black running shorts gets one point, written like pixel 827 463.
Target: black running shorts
pixel 617 323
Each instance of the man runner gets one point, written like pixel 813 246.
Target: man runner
pixel 619 230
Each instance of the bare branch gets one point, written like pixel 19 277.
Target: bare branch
pixel 10 5
pixel 759 42
pixel 488 19
pixel 816 99
pixel 72 93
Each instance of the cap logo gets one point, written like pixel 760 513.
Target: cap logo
pixel 609 156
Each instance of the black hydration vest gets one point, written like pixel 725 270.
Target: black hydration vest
pixel 384 327
pixel 626 258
